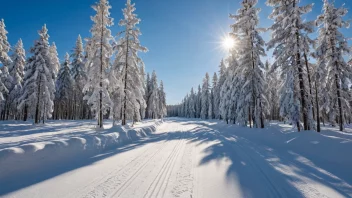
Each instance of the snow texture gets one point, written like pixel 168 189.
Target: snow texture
pixel 182 158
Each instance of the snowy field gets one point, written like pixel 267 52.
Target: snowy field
pixel 15 133
pixel 188 158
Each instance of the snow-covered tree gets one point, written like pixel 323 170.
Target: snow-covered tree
pixel 64 86
pixel 251 67
pixel 331 47
pixel 287 40
pixel 162 101
pixel 55 66
pixel 147 94
pixel 17 73
pixel 214 86
pixel 4 45
pixel 153 102
pixel 128 47
pixel 79 76
pixel 272 94
pixel 39 86
pixel 198 102
pixel 99 53
pixel 143 106
pixel 205 97
pixel 5 61
pixel 78 70
pixel 230 90
pixel 217 90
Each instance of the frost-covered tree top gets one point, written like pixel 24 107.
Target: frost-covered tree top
pixel 64 83
pixel 18 64
pixel 288 30
pixel 54 59
pixel 4 44
pixel 129 42
pixel 78 70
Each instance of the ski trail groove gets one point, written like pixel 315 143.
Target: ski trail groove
pixel 99 180
pixel 115 180
pixel 185 173
pixel 167 177
pixel 129 181
pixel 165 167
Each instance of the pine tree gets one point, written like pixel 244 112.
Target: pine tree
pixel 246 22
pixel 17 74
pixel 4 45
pixel 212 110
pixel 288 31
pixel 39 86
pixel 54 59
pixel 205 97
pixel 191 104
pixel 332 46
pixel 143 106
pixel 98 59
pixel 162 101
pixel 5 61
pixel 217 90
pixel 272 94
pixel 79 76
pixel 153 105
pixel 64 87
pixel 128 47
pixel 147 94
pixel 198 102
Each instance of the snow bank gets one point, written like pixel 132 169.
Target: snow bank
pixel 27 157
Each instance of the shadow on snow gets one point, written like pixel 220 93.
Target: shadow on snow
pixel 259 170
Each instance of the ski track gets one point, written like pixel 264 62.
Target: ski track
pixel 169 165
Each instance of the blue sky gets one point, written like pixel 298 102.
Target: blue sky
pixel 183 36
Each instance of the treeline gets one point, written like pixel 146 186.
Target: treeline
pixel 307 83
pixel 87 84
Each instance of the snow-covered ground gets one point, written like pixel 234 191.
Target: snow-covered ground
pixel 189 158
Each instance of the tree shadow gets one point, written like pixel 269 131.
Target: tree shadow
pixel 260 171
pixel 55 167
pixel 264 171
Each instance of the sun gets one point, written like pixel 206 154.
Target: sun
pixel 228 43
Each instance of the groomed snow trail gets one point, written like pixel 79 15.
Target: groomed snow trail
pixel 190 159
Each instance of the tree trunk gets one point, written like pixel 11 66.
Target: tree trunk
pixel 100 119
pixel 36 120
pixel 126 75
pixel 337 82
pixel 25 112
pixel 301 82
pixel 249 117
pixel 317 106
pixel 310 83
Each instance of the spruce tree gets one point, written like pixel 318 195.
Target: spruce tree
pixel 98 61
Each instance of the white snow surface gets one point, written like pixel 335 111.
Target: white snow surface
pixel 185 158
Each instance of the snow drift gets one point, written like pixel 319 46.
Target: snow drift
pixel 19 159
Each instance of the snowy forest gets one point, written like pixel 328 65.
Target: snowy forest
pixel 271 118
pixel 102 78
pixel 307 84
